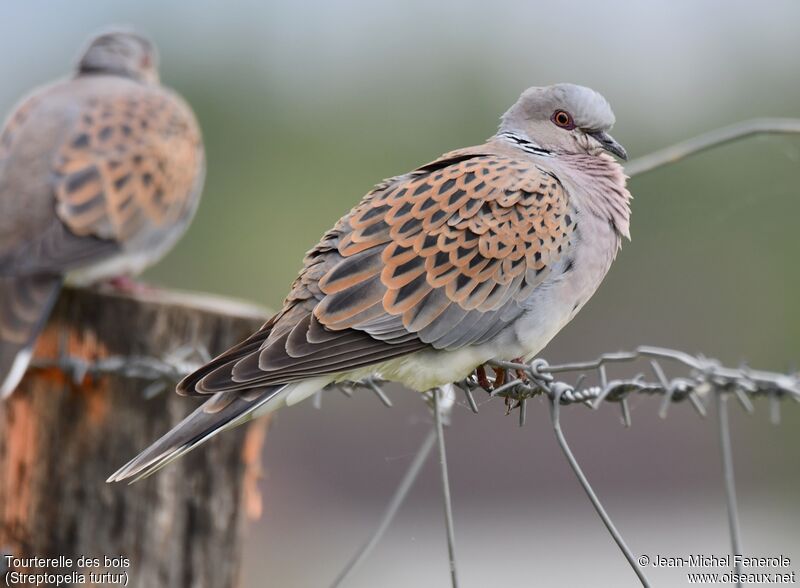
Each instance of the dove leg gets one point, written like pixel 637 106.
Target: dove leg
pixel 500 375
pixel 483 380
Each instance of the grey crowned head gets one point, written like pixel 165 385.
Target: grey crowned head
pixel 563 118
pixel 123 53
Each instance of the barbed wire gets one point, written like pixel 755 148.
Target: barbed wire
pixel 539 378
pixel 702 379
pixel 159 372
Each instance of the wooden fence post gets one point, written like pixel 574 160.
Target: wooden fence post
pixel 60 440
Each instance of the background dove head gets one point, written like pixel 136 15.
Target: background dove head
pixel 563 118
pixel 122 53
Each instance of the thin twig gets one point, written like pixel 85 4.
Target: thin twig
pixel 734 132
pixel 397 500
pixel 555 415
pixel 448 508
pixel 726 451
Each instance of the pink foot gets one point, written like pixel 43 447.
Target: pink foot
pixel 127 285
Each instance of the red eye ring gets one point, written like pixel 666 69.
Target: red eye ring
pixel 563 119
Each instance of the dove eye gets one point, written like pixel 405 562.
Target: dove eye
pixel 563 119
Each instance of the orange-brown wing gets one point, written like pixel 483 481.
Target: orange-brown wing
pixel 130 164
pixel 449 253
pixel 439 258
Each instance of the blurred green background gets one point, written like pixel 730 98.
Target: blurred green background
pixel 304 106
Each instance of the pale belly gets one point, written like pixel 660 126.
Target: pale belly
pixel 137 256
pixel 121 264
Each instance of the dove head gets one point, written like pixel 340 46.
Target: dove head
pixel 563 118
pixel 121 53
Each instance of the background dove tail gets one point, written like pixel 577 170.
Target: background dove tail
pixel 224 410
pixel 25 304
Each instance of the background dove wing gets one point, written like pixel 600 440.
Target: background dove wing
pixel 126 168
pixel 130 162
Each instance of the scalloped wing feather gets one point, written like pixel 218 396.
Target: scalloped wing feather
pixel 475 234
pixel 130 163
pixel 439 258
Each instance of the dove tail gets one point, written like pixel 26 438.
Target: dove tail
pixel 224 410
pixel 25 304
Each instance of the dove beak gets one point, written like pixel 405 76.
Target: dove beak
pixel 609 144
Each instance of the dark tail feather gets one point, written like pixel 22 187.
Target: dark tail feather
pixel 25 304
pixel 217 414
pixel 187 386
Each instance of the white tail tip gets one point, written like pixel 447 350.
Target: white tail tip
pixel 18 369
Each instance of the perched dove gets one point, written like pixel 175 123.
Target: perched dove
pixel 485 253
pixel 100 175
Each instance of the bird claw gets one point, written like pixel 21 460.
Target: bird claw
pixel 511 404
pixel 500 376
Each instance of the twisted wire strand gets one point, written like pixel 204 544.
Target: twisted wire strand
pixel 705 376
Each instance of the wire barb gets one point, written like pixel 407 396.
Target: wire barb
pixel 523 412
pixel 372 384
pixel 470 399
pixel 626 413
pixel 775 410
